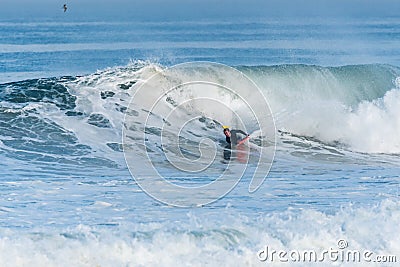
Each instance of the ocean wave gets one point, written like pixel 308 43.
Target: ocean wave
pixel 350 107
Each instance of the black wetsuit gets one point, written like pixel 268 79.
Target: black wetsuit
pixel 234 139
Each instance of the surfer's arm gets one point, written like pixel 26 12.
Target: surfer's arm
pixel 241 132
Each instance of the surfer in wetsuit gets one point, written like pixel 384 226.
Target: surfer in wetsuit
pixel 232 139
pixel 231 136
pixel 65 7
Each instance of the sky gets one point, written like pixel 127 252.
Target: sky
pixel 197 9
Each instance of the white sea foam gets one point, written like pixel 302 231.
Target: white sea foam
pixel 234 241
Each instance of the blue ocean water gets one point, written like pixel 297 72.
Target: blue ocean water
pixel 68 199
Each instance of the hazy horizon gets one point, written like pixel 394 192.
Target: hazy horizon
pixel 194 9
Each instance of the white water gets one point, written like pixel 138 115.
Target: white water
pixel 197 241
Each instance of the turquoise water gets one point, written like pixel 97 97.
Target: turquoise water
pixel 67 197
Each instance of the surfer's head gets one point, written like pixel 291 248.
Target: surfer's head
pixel 227 132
